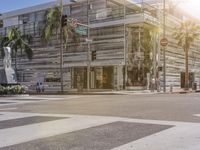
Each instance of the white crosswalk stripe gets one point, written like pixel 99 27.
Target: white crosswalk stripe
pixel 9 101
pixel 182 136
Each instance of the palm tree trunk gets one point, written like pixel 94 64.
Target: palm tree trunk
pixel 16 62
pixel 186 70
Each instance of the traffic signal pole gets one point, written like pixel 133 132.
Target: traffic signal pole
pixel 61 48
pixel 64 20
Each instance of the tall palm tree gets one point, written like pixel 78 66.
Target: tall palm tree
pixel 54 25
pixel 186 34
pixel 17 41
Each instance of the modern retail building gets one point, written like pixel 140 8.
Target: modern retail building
pixel 120 49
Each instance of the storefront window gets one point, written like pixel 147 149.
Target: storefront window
pixel 79 77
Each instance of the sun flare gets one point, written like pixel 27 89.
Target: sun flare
pixel 192 7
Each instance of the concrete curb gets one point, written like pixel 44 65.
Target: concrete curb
pixel 185 92
pixel 78 93
pixel 114 93
pixel 98 93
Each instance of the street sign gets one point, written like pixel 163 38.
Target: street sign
pixel 164 42
pixel 74 23
pixel 81 30
pixel 88 40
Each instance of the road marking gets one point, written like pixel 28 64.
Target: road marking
pixel 184 135
pixel 23 134
pixel 180 137
pixel 8 109
pixel 197 115
pixel 12 101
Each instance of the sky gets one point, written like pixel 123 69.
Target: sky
pixel 9 5
pixel 190 6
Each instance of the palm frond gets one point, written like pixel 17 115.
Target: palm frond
pixel 28 50
pixel 4 41
pixel 52 25
pixel 28 38
pixel 186 34
pixel 18 41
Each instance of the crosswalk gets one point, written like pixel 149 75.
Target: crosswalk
pixel 119 133
pixel 9 101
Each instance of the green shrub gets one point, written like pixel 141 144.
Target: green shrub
pixel 12 90
pixel 1 90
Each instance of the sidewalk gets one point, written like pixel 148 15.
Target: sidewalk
pixel 182 91
pixel 141 92
pixel 101 92
pixel 126 92
pixel 115 92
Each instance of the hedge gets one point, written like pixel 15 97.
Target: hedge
pixel 12 90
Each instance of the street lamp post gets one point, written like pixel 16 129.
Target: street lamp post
pixel 125 53
pixel 89 49
pixel 164 48
pixel 61 49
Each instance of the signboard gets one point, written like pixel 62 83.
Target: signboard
pixel 81 30
pixel 150 19
pixel 103 13
pixel 164 42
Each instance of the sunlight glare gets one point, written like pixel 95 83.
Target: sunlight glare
pixel 192 7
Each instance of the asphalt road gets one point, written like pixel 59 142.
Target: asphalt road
pixel 100 122
pixel 174 107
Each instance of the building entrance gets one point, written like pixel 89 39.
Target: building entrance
pixel 107 77
pixel 102 77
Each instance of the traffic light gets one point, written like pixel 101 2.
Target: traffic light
pixel 160 68
pixel 1 23
pixel 94 55
pixel 64 20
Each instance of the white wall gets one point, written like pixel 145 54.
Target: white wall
pixel 10 21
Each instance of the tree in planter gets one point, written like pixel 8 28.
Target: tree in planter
pixel 55 25
pixel 185 35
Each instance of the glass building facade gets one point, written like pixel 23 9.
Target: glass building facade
pixel 125 41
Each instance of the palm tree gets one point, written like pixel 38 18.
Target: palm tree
pixel 186 34
pixel 54 24
pixel 17 41
pixel 3 42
